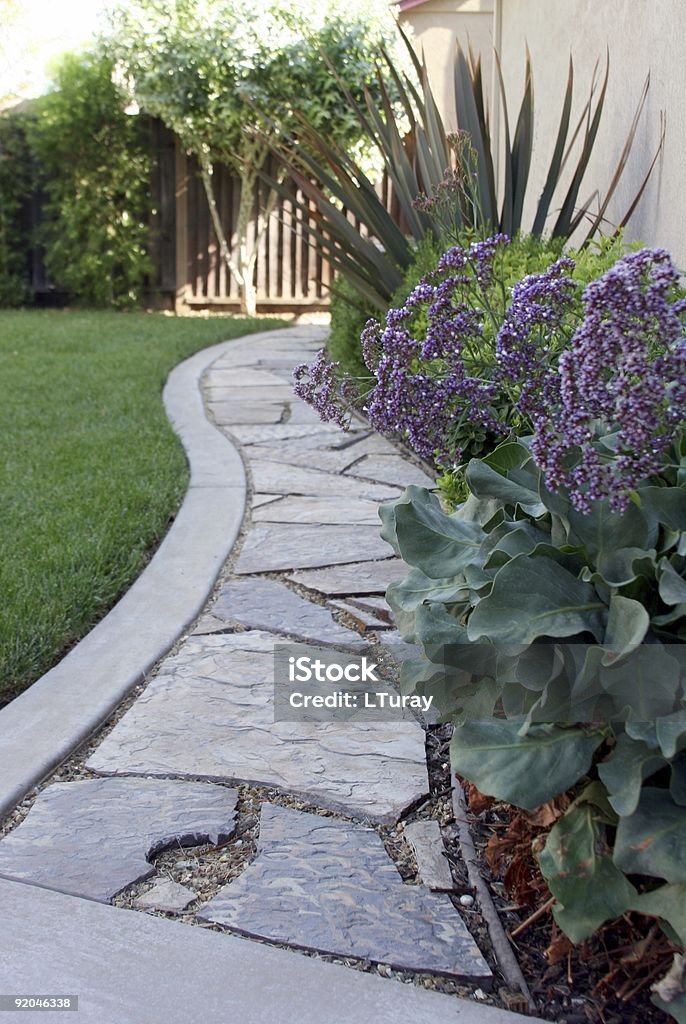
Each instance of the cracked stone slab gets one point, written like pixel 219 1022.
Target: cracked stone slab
pixel 210 715
pixel 269 548
pixel 227 414
pixel 280 478
pixel 263 604
pixel 425 839
pixel 365 620
pixel 264 499
pixel 390 469
pixel 92 838
pixel 330 886
pixel 375 605
pixel 319 453
pixel 167 895
pixel 241 378
pixel 320 511
pixel 255 433
pixel 301 413
pixel 257 395
pixel 353 578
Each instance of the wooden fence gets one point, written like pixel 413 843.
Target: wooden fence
pixel 290 273
pixel 189 274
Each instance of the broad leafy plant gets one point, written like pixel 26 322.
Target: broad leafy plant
pixel 549 609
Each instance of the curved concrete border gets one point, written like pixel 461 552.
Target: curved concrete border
pixel 42 726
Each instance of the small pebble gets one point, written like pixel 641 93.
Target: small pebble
pixel 466 900
pixel 239 842
pixel 480 994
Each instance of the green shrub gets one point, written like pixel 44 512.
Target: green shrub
pixel 95 171
pixel 15 189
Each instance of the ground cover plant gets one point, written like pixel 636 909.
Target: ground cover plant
pixel 550 607
pixel 91 472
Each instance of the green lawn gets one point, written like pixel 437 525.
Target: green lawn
pixel 90 473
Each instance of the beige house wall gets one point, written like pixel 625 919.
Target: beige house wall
pixel 436 26
pixel 642 36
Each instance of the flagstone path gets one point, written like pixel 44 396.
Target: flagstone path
pixel 311 568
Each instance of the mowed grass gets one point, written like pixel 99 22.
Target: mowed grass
pixel 91 472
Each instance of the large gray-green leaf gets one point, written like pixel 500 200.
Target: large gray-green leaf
pixel 671 732
pixel 652 841
pixel 435 627
pixel 580 873
pixel 603 531
pixel 438 544
pixel 415 588
pixel 624 771
pixel 510 539
pixel 627 625
pixel 667 902
pixel 672 586
pixel 485 482
pixel 665 504
pixel 523 770
pixel 411 495
pixel 534 597
pixel 620 566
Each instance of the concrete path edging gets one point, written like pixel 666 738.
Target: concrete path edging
pixel 42 726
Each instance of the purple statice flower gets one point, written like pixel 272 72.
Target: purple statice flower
pixel 427 388
pixel 530 333
pixel 317 384
pixel 623 375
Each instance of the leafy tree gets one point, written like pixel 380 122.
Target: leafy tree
pixel 223 74
pixel 95 170
pixel 16 185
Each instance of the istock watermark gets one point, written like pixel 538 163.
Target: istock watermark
pixel 314 684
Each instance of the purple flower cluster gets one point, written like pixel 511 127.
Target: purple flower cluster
pixel 530 335
pixel 624 376
pixel 426 390
pixel 318 385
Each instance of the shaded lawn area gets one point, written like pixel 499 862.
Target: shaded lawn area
pixel 91 472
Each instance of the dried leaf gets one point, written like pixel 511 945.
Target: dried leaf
pixel 559 947
pixel 548 813
pixel 478 802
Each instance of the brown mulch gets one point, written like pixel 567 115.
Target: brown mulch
pixel 605 980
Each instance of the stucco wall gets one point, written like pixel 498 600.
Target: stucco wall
pixel 642 36
pixel 436 26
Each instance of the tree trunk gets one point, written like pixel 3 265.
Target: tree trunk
pixel 243 267
pixel 235 268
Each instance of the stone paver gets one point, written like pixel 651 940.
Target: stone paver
pixel 366 621
pixel 354 578
pixel 92 838
pixel 209 714
pixel 317 452
pixel 130 968
pixel 269 605
pixel 390 469
pixel 279 478
pixel 168 895
pixel 319 511
pixel 425 839
pixel 280 546
pixel 227 413
pixel 329 886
